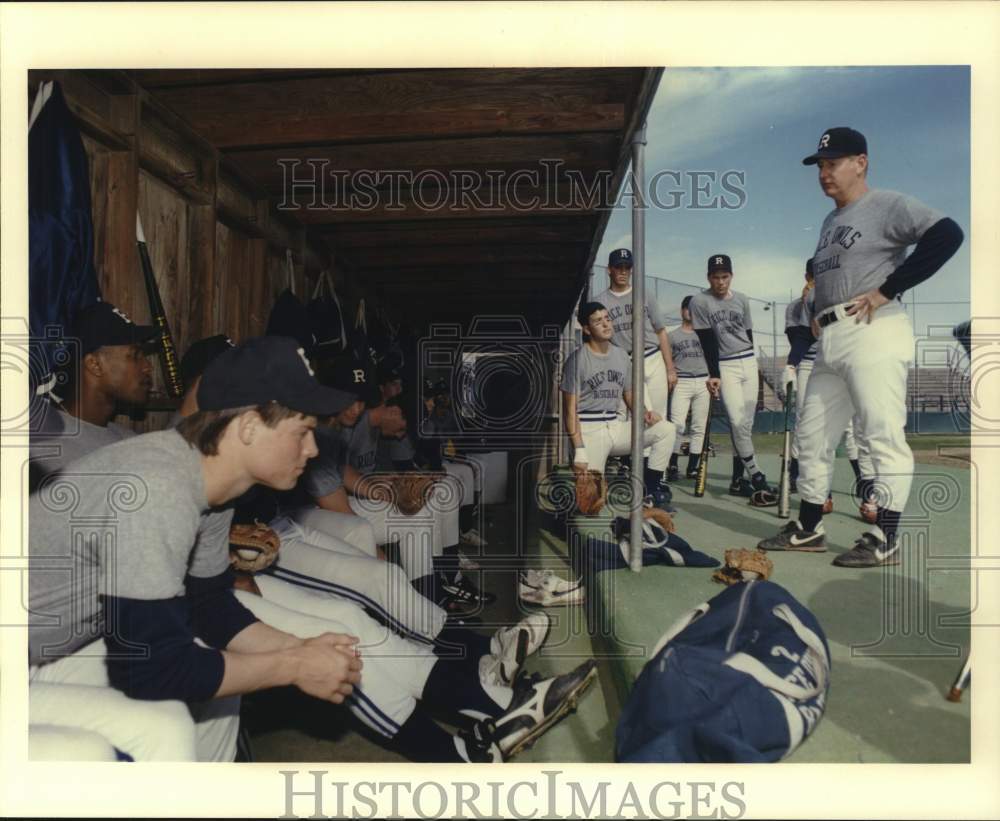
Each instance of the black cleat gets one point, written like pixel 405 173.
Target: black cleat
pixel 794 538
pixel 740 487
pixel 869 551
pixel 539 704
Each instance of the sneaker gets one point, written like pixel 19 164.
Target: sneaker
pixel 510 646
pixel 461 590
pixel 673 474
pixel 868 512
pixel 793 537
pixel 537 706
pixel 545 588
pixel 740 487
pixel 869 551
pixel 476 744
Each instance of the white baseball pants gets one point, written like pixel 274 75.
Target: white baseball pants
pixel 860 368
pixel 395 670
pixel 314 560
pixel 422 536
pixel 802 373
pixel 690 393
pixel 613 437
pixel 739 396
pixel 74 693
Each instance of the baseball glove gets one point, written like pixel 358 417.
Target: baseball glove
pixel 743 565
pixel 763 498
pixel 411 491
pixel 868 512
pixel 591 492
pixel 252 547
pixel 661 517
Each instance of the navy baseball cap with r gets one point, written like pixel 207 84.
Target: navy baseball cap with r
pixel 102 324
pixel 350 376
pixel 719 262
pixel 838 142
pixel 620 258
pixel 267 369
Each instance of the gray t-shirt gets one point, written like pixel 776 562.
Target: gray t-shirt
pixel 689 358
pixel 61 438
pixel 799 314
pixel 862 243
pixel 620 311
pixel 324 473
pixel 729 318
pixel 129 520
pixel 598 380
pixel 362 450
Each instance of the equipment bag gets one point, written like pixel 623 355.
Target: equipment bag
pixel 289 316
pixel 326 318
pixel 741 678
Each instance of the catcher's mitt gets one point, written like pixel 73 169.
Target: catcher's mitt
pixel 743 565
pixel 252 547
pixel 411 491
pixel 591 492
pixel 763 498
pixel 661 517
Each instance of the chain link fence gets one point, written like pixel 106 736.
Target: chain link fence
pixel 938 390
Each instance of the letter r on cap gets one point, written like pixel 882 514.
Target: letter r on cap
pixel 718 260
pixel 824 141
pixel 359 376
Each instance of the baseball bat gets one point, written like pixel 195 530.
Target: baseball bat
pixel 168 351
pixel 702 476
pixel 784 503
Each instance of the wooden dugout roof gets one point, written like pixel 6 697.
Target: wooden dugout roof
pixel 451 192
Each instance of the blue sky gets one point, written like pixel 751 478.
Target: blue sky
pixel 763 121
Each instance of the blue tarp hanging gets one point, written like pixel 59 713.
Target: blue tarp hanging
pixel 62 277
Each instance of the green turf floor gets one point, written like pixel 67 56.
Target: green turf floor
pixel 897 636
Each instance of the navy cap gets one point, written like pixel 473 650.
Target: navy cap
pixel 838 142
pixel 620 258
pixel 197 357
pixel 351 376
pixel 102 324
pixel 719 262
pixel 388 372
pixel 267 369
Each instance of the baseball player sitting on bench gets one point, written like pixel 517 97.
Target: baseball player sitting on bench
pixel 311 557
pixel 344 478
pixel 690 392
pixel 162 584
pixel 721 319
pixel 659 374
pixel 596 377
pixel 72 714
pixel 865 343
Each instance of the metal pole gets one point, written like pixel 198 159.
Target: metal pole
pixel 638 340
pixel 774 351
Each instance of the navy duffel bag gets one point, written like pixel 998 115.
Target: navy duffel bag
pixel 742 678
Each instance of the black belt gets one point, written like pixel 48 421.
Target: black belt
pixel 826 319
